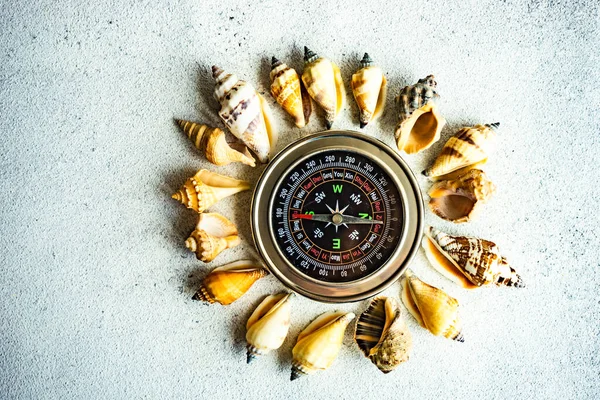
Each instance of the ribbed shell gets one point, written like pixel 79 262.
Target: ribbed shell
pixel 419 123
pixel 382 335
pixel 213 143
pixel 228 283
pixel 433 308
pixel 476 259
pixel 213 234
pixel 268 325
pixel 287 89
pixel 323 81
pixel 245 113
pixel 319 343
pixel 467 149
pixel 369 88
pixel 206 188
pixel 458 200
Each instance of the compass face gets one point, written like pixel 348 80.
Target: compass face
pixel 336 217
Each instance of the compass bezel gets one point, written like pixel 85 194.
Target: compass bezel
pixel 412 216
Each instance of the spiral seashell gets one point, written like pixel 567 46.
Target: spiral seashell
pixel 382 335
pixel 213 234
pixel 212 142
pixel 319 343
pixel 228 283
pixel 433 308
pixel 369 87
pixel 419 123
pixel 467 261
pixel 206 188
pixel 458 200
pixel 466 150
pixel 245 113
pixel 287 89
pixel 268 325
pixel 324 84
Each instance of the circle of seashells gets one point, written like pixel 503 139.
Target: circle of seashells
pixel 460 188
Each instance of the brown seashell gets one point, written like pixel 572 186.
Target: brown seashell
pixel 458 200
pixel 213 234
pixel 467 261
pixel 287 89
pixel 466 150
pixel 206 188
pixel 212 142
pixel 419 123
pixel 433 308
pixel 369 87
pixel 228 283
pixel 382 335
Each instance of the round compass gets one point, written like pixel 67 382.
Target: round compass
pixel 337 216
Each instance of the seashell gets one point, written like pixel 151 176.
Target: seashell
pixel 467 261
pixel 289 92
pixel 245 113
pixel 323 81
pixel 206 188
pixel 419 122
pixel 228 283
pixel 458 200
pixel 212 142
pixel 433 308
pixel 369 87
pixel 382 335
pixel 319 343
pixel 268 325
pixel 466 150
pixel 213 234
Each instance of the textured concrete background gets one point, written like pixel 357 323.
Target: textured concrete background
pixel 96 282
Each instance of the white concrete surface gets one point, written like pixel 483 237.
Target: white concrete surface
pixel 96 282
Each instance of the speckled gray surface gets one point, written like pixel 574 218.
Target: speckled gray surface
pixel 96 282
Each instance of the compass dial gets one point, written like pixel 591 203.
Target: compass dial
pixel 336 217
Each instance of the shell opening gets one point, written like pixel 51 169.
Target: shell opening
pixel 444 265
pixel 452 207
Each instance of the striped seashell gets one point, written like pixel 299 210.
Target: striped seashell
pixel 459 200
pixel 467 261
pixel 323 81
pixel 212 142
pixel 466 150
pixel 287 89
pixel 369 87
pixel 213 234
pixel 206 188
pixel 419 122
pixel 382 335
pixel 245 113
pixel 433 308
pixel 228 283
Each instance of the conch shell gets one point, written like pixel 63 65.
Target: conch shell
pixel 206 188
pixel 466 150
pixel 458 200
pixel 369 87
pixel 382 335
pixel 469 262
pixel 228 283
pixel 245 113
pixel 212 142
pixel 323 81
pixel 433 308
pixel 319 343
pixel 419 122
pixel 289 92
pixel 268 325
pixel 213 234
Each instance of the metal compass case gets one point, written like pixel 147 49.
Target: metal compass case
pixel 337 216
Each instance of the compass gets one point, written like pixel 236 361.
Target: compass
pixel 337 216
